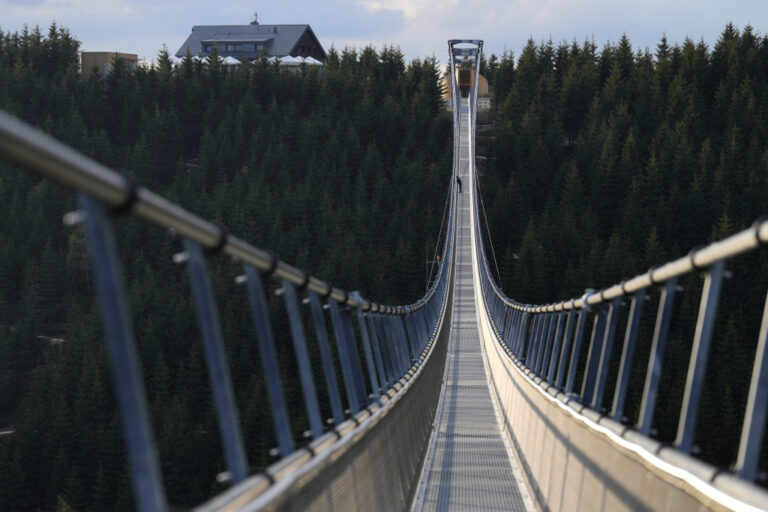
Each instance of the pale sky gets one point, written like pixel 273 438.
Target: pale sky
pixel 420 27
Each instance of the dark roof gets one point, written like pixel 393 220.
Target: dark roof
pixel 279 39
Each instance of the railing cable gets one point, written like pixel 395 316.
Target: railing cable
pixel 440 233
pixel 487 227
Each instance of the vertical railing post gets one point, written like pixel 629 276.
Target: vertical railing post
pixel 517 328
pixel 302 359
pixel 507 324
pixel 383 375
pixel 548 341
pixel 605 353
pixel 752 430
pixel 325 355
pixel 416 329
pixel 532 338
pixel 386 354
pixel 407 344
pixel 541 342
pixel 656 357
pixel 218 369
pixel 427 331
pixel 595 345
pixel 524 336
pixel 702 340
pixel 353 395
pixel 556 346
pixel 569 325
pixel 576 349
pixel 411 327
pixel 269 364
pixel 401 341
pixel 129 387
pixel 357 368
pixel 512 334
pixel 385 328
pixel 372 375
pixel 541 330
pixel 625 368
pixel 395 350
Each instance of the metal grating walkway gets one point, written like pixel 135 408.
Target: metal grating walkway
pixel 468 466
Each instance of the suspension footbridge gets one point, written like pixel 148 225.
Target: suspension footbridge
pixel 463 400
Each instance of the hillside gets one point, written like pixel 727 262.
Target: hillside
pixel 607 161
pixel 343 173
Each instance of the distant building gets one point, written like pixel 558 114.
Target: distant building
pixel 247 42
pixel 465 78
pixel 103 61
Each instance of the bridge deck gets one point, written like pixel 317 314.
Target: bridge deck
pixel 468 466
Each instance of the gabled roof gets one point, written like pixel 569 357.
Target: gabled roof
pixel 283 37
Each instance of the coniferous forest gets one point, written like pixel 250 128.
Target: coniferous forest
pixel 342 172
pixel 600 162
pixel 604 162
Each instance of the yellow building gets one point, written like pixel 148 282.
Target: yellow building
pixel 102 61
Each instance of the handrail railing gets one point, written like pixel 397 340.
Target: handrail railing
pixel 394 339
pixel 547 339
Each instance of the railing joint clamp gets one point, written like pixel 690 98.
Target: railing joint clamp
pixel 220 243
pixel 650 275
pixel 131 197
pixel 268 476
pixel 304 280
pixel 273 262
pixel 756 226
pixel 692 258
pixel 623 285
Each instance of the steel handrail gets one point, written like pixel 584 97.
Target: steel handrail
pixel 31 149
pixel 547 339
pixel 740 243
pixel 396 340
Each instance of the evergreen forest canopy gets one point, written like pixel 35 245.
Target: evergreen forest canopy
pixel 605 162
pixel 602 162
pixel 342 172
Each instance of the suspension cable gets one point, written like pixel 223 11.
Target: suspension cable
pixel 439 233
pixel 487 228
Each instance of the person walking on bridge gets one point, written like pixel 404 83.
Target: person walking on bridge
pixel 458 182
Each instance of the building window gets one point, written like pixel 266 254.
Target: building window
pixel 206 47
pixel 259 47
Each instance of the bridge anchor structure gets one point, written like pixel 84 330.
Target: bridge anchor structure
pixel 462 400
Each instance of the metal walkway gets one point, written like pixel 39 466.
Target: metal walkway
pixel 468 465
